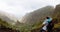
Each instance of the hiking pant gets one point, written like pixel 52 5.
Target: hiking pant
pixel 42 30
pixel 49 30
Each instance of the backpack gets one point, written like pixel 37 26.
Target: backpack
pixel 50 26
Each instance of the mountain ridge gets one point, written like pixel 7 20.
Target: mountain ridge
pixel 38 15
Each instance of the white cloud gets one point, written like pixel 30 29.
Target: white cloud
pixel 21 7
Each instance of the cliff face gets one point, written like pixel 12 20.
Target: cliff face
pixel 38 15
pixel 57 12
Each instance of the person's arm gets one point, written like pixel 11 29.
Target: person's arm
pixel 43 25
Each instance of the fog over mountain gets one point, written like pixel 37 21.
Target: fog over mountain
pixel 10 18
pixel 30 18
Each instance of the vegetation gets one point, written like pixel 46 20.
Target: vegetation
pixel 5 25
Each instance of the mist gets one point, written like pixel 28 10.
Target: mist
pixel 21 7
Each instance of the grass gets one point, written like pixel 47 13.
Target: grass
pixel 26 28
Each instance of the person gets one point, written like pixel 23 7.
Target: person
pixel 50 26
pixel 45 23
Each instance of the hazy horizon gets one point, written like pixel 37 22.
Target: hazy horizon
pixel 21 7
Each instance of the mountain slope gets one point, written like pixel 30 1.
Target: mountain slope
pixel 38 15
pixel 6 27
pixel 7 17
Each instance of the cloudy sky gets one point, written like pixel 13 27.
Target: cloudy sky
pixel 21 7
